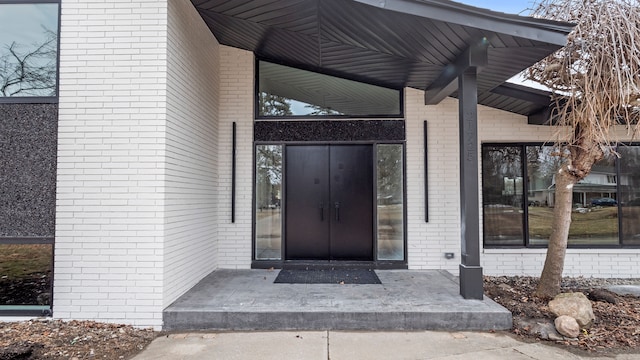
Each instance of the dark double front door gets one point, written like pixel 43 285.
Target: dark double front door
pixel 329 202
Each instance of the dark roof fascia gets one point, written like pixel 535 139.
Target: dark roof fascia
pixel 533 95
pixel 552 32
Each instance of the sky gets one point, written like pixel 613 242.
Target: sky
pixel 518 7
pixel 507 6
pixel 23 23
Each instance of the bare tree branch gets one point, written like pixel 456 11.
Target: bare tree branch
pixel 29 70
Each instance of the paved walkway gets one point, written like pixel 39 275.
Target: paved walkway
pixel 342 345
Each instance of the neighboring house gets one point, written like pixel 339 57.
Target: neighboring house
pixel 593 190
pixel 156 141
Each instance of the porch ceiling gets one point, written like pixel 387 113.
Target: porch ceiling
pixel 392 43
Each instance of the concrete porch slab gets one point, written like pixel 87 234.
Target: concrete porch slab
pixel 406 300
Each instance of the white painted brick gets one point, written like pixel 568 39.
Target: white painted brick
pixel 191 168
pixel 236 98
pixel 97 183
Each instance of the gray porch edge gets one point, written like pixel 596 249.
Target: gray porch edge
pixel 406 300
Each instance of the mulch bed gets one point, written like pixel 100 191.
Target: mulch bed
pixel 615 330
pixel 72 340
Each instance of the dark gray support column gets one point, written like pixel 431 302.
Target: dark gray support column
pixel 470 270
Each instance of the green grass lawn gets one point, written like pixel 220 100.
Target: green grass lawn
pixel 599 223
pixel 20 261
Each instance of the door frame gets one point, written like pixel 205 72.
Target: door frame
pixel 375 264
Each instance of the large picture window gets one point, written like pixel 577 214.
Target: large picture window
pixel 518 189
pixel 28 50
pixel 28 138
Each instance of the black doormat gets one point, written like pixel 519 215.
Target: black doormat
pixel 327 276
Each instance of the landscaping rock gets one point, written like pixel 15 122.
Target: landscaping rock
pixel 575 305
pixel 567 326
pixel 615 332
pixel 543 328
pixel 602 295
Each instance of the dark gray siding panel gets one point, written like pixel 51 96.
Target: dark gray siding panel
pixel 28 146
pixel 327 130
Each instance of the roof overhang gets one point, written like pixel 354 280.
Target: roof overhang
pixel 391 43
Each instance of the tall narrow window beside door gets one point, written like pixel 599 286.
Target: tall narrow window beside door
pixel 268 206
pixel 390 206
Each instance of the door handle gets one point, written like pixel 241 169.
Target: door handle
pixel 321 207
pixel 337 207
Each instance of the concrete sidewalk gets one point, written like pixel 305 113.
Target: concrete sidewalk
pixel 343 345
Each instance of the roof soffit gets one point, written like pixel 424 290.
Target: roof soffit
pixel 393 43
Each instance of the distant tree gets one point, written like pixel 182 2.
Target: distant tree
pixel 390 172
pixel 29 70
pixel 595 81
pixel 269 174
pixel 320 110
pixel 273 105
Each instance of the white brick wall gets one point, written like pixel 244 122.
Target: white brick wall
pixel 427 242
pixel 236 99
pixel 603 263
pixel 110 193
pixel 191 151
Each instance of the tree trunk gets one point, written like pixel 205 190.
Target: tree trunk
pixel 549 284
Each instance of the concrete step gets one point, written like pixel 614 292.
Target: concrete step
pixel 406 300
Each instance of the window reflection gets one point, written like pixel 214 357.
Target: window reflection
pixel 268 202
pixel 286 91
pixel 630 194
pixel 28 49
pixel 502 195
pixel 390 202
pixel 25 274
pixel 542 164
pixel 594 220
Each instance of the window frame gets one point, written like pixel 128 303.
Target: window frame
pixel 34 310
pixel 525 221
pixel 54 99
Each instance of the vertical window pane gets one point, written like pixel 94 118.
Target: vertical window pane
pixel 25 274
pixel 502 196
pixel 268 202
pixel 390 202
pixel 594 220
pixel 28 49
pixel 630 194
pixel 598 194
pixel 542 164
